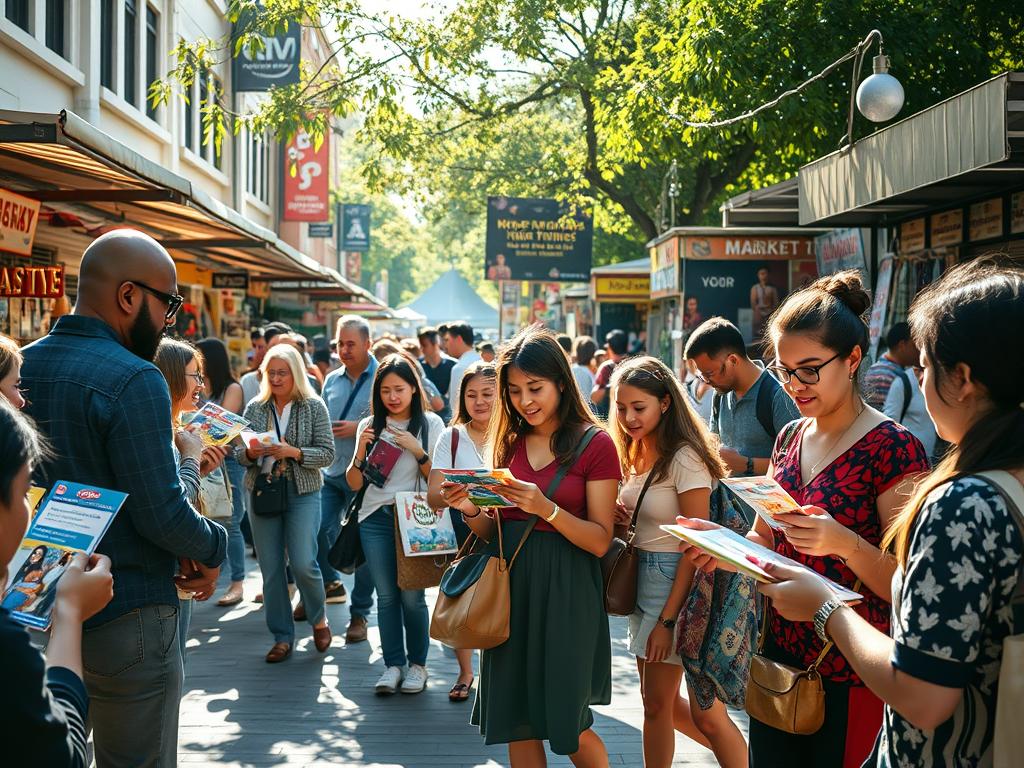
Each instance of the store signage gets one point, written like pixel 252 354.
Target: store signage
pixel 322 230
pixel 32 282
pixel 1017 213
pixel 664 269
pixel 880 306
pixel 838 250
pixel 753 248
pixel 354 229
pixel 912 236
pixel 612 288
pixel 259 289
pixel 276 64
pixel 986 219
pixel 238 281
pixel 18 218
pixel 307 178
pixel 537 239
pixel 947 228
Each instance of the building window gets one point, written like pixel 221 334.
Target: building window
pixel 210 91
pixel 189 134
pixel 131 53
pixel 258 156
pixel 17 12
pixel 152 49
pixel 55 20
pixel 107 47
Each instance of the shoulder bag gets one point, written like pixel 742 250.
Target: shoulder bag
pixel 347 551
pixel 474 603
pixel 270 491
pixel 620 563
pixel 215 495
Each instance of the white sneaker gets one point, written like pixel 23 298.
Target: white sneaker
pixel 416 680
pixel 389 681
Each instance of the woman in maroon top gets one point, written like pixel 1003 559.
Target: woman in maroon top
pixel 538 686
pixel 851 468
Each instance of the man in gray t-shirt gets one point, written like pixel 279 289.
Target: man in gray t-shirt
pixel 750 408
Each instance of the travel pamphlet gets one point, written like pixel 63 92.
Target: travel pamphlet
pixel 424 531
pixel 71 519
pixel 481 485
pixel 749 557
pixel 765 496
pixel 259 439
pixel 215 425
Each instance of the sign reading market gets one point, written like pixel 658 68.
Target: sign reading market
pixel 538 239
pixel 18 218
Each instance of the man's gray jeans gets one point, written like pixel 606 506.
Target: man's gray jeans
pixel 133 672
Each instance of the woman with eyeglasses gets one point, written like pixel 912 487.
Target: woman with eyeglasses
pixel 851 469
pixel 10 372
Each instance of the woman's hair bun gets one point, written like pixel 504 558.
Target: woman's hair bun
pixel 848 288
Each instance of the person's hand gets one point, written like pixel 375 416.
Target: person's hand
pixel 344 429
pixel 406 440
pixel 456 495
pixel 817 533
pixel 284 451
pixel 528 497
pixel 797 594
pixel 197 579
pixel 733 459
pixel 659 644
pixel 212 457
pixel 622 515
pixel 698 557
pixel 363 446
pixel 189 444
pixel 85 587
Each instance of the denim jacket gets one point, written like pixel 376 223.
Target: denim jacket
pixel 107 413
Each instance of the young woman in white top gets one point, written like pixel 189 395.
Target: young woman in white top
pixel 398 415
pixel 658 433
pixel 461 446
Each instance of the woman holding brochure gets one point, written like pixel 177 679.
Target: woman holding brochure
pixel 670 464
pixel 461 446
pixel 539 684
pixel 851 469
pixel 399 423
pixel 288 406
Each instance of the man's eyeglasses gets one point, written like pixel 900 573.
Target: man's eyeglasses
pixel 172 300
pixel 707 377
pixel 807 374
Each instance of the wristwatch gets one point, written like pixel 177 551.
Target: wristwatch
pixel 667 623
pixel 821 617
pixel 750 465
pixel 423 459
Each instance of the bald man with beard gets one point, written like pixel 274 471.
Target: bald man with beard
pixel 106 409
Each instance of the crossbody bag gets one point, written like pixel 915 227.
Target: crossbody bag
pixel 620 564
pixel 270 490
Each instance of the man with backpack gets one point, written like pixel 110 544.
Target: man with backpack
pixel 749 407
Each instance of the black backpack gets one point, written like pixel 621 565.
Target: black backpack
pixel 763 406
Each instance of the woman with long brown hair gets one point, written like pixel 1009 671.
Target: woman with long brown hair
pixel 538 686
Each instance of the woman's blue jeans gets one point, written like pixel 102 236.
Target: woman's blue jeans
pixel 293 533
pixel 236 542
pixel 402 614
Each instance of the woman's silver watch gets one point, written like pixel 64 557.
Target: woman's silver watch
pixel 822 616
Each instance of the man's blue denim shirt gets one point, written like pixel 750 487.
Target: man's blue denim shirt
pixel 107 414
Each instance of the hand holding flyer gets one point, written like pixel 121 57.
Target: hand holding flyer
pixel 215 425
pixel 259 439
pixel 482 485
pixel 765 496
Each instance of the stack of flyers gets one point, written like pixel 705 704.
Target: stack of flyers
pixel 481 484
pixel 749 557
pixel 215 425
pixel 765 496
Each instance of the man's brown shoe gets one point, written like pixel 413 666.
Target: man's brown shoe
pixel 322 637
pixel 356 631
pixel 299 614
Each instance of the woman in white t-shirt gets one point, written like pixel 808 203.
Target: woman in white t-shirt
pixel 669 467
pixel 461 446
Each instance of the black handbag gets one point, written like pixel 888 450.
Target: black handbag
pixel 347 551
pixel 270 490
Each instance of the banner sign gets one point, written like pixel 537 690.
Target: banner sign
pixel 880 306
pixel 354 266
pixel 751 248
pixel 838 250
pixel 664 268
pixel 276 64
pixel 32 282
pixel 354 227
pixel 321 229
pixel 537 239
pixel 912 236
pixel 947 228
pixel 306 178
pixel 238 281
pixel 18 218
pixel 987 219
pixel 626 288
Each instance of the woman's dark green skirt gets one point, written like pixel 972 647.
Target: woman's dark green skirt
pixel 540 683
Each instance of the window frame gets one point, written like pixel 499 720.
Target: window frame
pixel 130 52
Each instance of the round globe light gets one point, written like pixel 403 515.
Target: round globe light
pixel 880 96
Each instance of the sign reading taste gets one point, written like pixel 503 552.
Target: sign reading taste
pixel 32 282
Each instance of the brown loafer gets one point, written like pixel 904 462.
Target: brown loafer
pixel 299 614
pixel 322 637
pixel 356 632
pixel 279 652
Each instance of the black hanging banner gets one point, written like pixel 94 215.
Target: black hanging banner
pixel 538 239
pixel 276 64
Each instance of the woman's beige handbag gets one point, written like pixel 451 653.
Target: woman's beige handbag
pixel 215 495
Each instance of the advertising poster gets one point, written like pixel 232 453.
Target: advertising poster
pixel 743 292
pixel 537 239
pixel 18 218
pixel 881 303
pixel 354 230
pixel 276 64
pixel 307 178
pixel 838 250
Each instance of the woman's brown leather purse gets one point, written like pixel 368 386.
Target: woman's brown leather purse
pixel 620 563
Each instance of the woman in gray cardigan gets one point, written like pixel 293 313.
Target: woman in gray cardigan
pixel 287 406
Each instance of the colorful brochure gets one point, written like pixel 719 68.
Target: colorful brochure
pixel 259 439
pixel 424 531
pixel 730 547
pixel 72 518
pixel 215 425
pixel 765 496
pixel 481 485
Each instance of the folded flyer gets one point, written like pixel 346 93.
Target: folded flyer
pixel 259 439
pixel 765 496
pixel 71 519
pixel 730 547
pixel 215 425
pixel 481 485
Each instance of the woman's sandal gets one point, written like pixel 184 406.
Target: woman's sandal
pixel 460 691
pixel 279 652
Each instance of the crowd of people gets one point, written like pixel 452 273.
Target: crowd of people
pixel 905 470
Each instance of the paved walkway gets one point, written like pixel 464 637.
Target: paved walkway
pixel 315 710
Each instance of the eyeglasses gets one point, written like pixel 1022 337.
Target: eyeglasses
pixel 200 380
pixel 707 377
pixel 172 300
pixel 807 374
